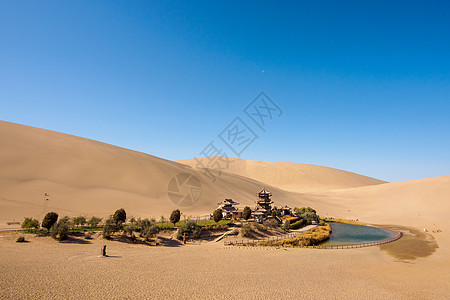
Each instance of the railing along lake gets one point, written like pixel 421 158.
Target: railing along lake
pixel 255 242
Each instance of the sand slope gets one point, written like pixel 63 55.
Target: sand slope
pixel 423 203
pixel 292 176
pixel 83 176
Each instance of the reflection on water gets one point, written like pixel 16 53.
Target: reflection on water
pixel 344 234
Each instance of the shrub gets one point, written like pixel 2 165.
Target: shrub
pixel 301 211
pixel 299 224
pixel 21 239
pixel 246 230
pixel 223 227
pixel 189 227
pixel 285 226
pixel 29 223
pixel 272 223
pixel 111 227
pixel 88 236
pixel 79 221
pixel 179 234
pixel 217 215
pixel 310 217
pixel 246 213
pixel 175 216
pixel 291 219
pixel 148 228
pixel 120 216
pixel 129 230
pixel 49 220
pixel 93 222
pixel 59 230
pixel 258 226
pixel 197 232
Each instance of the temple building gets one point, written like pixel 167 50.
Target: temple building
pixel 229 208
pixel 264 203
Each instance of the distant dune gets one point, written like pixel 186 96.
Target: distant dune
pixel 293 176
pixel 87 177
pixel 423 203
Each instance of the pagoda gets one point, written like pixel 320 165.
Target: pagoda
pixel 264 203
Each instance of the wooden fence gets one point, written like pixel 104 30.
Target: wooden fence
pixel 255 242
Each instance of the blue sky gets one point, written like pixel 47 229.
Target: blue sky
pixel 363 86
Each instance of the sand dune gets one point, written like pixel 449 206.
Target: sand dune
pixel 423 203
pixel 292 176
pixel 83 176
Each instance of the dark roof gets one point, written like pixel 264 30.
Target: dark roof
pixel 265 192
pixel 230 201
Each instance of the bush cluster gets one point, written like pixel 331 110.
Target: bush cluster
pixel 94 221
pixel 297 225
pixel 147 228
pixel 29 223
pixel 272 223
pixel 59 230
pixel 111 226
pixel 308 214
pixel 246 230
pixel 189 227
pixel 285 226
pixel 21 239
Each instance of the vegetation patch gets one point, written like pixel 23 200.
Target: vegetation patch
pixel 310 238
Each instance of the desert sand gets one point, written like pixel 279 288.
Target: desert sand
pixel 292 176
pixel 87 177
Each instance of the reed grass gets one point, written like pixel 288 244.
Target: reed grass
pixel 309 238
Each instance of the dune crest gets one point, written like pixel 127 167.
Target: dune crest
pixel 292 176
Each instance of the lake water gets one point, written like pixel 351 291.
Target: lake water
pixel 344 234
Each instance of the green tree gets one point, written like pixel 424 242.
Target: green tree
pixel 285 226
pixel 49 220
pixel 175 216
pixel 59 230
pixel 189 226
pixel 29 223
pixel 246 213
pixel 301 211
pixel 148 228
pixel 79 221
pixel 94 221
pixel 120 215
pixel 217 215
pixel 111 226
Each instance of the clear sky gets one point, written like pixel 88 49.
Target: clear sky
pixel 363 86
